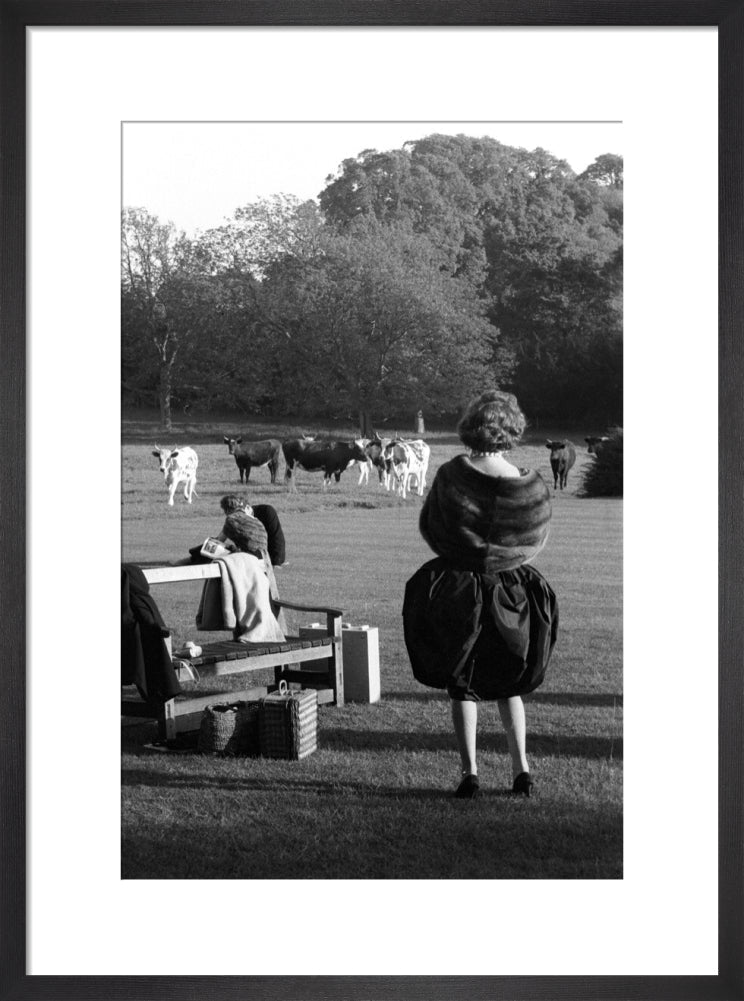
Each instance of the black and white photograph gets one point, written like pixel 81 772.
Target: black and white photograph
pixel 315 410
pixel 378 367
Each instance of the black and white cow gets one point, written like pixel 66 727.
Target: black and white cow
pixel 375 449
pixel 562 458
pixel 178 466
pixel 364 464
pixel 406 461
pixel 255 453
pixel 331 456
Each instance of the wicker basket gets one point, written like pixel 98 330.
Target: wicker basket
pixel 288 723
pixel 230 730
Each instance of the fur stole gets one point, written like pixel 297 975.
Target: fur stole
pixel 484 523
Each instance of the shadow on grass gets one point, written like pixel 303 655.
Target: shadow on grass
pixel 390 741
pixel 316 787
pixel 546 745
pixel 138 777
pixel 433 695
pixel 532 841
pixel 546 698
pixel 576 699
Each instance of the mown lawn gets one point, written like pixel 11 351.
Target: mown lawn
pixel 375 800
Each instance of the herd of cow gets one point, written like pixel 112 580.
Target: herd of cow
pixel 401 464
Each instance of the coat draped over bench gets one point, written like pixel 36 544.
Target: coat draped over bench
pixel 240 599
pixel 145 659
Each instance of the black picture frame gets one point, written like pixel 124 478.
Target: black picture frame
pixel 15 16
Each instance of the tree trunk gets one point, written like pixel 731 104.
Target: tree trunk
pixel 365 424
pixel 164 395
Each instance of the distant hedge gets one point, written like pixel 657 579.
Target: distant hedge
pixel 603 477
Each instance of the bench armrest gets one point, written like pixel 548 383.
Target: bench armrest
pixel 306 608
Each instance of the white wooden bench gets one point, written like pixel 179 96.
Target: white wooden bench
pixel 288 659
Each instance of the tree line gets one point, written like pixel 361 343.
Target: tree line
pixel 419 276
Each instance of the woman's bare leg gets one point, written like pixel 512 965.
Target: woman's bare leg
pixel 513 719
pixel 465 720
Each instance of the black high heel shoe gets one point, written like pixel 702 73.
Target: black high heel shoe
pixel 468 788
pixel 522 784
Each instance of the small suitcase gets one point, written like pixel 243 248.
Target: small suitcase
pixel 288 723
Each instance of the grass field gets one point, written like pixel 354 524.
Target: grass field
pixel 374 801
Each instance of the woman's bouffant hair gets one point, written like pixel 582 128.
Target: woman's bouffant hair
pixel 492 422
pixel 231 502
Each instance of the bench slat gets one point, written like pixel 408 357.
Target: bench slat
pixel 171 575
pixel 234 650
pixel 260 661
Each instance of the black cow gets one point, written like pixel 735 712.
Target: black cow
pixel 331 456
pixel 255 453
pixel 562 457
pixel 594 444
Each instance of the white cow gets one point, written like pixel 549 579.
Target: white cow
pixel 178 466
pixel 408 461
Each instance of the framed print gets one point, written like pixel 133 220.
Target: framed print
pixel 665 925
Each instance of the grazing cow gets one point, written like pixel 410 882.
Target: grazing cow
pixel 562 458
pixel 178 466
pixel 255 453
pixel 331 456
pixel 407 461
pixel 594 444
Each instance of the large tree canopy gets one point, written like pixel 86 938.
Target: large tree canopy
pixel 423 274
pixel 542 246
pixel 375 322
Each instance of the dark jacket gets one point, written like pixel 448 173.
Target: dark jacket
pixel 268 517
pixel 145 661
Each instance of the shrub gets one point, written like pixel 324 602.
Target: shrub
pixel 604 476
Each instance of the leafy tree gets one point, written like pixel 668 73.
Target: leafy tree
pixel 374 323
pixel 452 263
pixel 259 234
pixel 155 266
pixel 189 320
pixel 606 169
pixel 540 246
pixel 555 282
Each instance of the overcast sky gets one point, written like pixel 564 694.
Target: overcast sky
pixel 195 174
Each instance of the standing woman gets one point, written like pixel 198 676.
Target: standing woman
pixel 478 620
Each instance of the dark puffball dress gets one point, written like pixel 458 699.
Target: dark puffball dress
pixel 479 635
pixel 479 620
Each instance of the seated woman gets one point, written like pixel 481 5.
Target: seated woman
pixel 253 530
pixel 257 531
